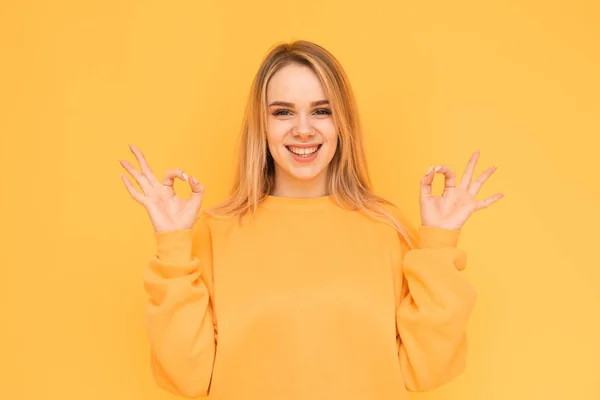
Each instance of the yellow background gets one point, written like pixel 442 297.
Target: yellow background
pixel 435 80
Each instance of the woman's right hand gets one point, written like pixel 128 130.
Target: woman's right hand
pixel 167 211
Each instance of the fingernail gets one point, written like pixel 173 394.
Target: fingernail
pixel 184 176
pixel 429 170
pixel 438 168
pixel 194 180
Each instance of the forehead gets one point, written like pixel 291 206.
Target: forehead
pixel 296 84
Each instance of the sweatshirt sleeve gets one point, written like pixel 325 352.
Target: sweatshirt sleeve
pixel 179 315
pixel 433 310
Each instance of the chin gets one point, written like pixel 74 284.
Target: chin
pixel 305 174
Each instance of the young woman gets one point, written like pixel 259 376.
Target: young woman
pixel 304 284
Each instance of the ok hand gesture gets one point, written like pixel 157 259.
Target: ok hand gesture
pixel 167 211
pixel 452 209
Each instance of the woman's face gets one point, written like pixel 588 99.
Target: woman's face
pixel 301 134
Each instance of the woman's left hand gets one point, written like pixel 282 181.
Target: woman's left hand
pixel 456 204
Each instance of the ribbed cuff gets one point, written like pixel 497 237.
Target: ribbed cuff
pixel 433 238
pixel 174 246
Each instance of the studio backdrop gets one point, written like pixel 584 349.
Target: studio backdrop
pixel 434 80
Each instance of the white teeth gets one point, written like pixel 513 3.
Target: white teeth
pixel 303 151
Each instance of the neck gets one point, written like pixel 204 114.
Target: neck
pixel 286 186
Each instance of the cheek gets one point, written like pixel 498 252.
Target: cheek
pixel 276 131
pixel 329 131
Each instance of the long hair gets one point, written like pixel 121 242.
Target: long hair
pixel 349 183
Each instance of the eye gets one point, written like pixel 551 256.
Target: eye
pixel 323 111
pixel 281 111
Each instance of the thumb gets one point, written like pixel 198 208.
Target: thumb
pixel 197 188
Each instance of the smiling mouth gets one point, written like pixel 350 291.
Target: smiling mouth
pixel 304 151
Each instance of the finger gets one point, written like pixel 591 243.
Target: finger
pixel 481 204
pixel 170 175
pixel 146 170
pixel 426 183
pixel 137 196
pixel 141 179
pixel 449 176
pixel 478 183
pixel 469 170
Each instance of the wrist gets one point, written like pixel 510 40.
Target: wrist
pixel 437 236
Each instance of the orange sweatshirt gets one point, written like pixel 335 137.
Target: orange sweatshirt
pixel 306 301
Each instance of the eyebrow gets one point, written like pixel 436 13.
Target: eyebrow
pixel 291 105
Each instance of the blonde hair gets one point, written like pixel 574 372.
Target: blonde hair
pixel 348 179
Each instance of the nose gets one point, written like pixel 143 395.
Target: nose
pixel 303 128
